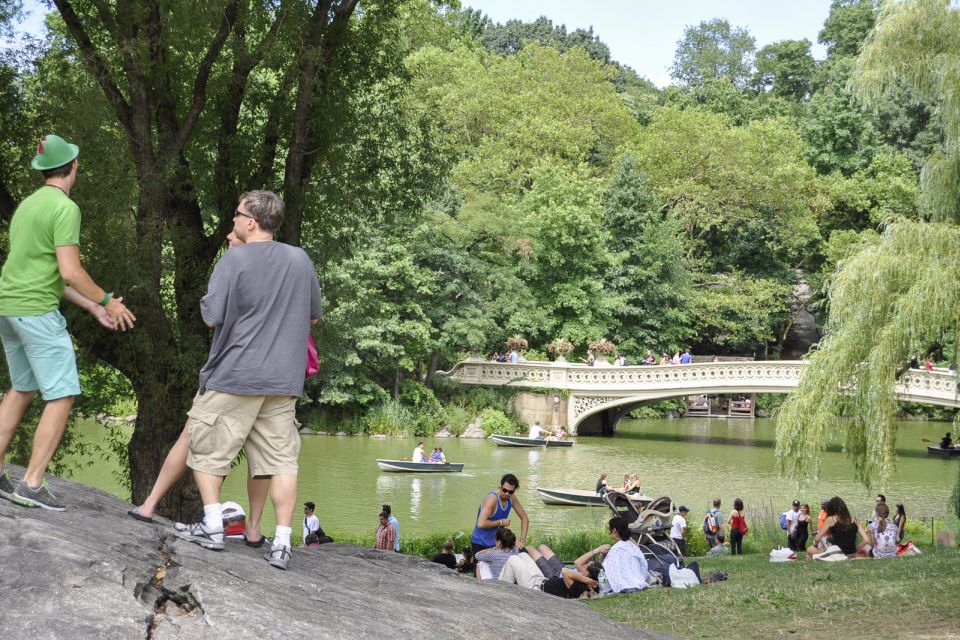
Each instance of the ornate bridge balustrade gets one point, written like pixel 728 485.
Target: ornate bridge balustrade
pixel 600 396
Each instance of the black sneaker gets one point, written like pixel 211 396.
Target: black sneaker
pixel 199 533
pixel 278 557
pixel 40 497
pixel 7 485
pixel 256 545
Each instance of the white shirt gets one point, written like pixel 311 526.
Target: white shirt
pixel 535 431
pixel 676 529
pixel 418 455
pixel 312 524
pixel 792 517
pixel 625 567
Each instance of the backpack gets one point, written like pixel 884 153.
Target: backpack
pixel 783 520
pixel 710 524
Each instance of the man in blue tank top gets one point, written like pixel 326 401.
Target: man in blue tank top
pixel 494 512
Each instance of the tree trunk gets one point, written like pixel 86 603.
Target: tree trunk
pixel 432 369
pixel 396 380
pixel 160 418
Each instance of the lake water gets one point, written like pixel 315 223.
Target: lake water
pixel 692 460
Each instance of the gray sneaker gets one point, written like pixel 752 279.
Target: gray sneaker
pixel 278 557
pixel 40 497
pixel 200 534
pixel 7 485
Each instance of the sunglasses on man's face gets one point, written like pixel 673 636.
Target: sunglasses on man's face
pixel 241 213
pixel 507 491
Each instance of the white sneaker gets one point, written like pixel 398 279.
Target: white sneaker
pixel 199 533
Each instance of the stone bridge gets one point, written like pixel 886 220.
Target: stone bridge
pixel 596 398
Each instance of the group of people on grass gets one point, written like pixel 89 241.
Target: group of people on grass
pixel 500 555
pixel 834 526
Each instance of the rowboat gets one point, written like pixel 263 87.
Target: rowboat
pixel 419 467
pixel 935 450
pixel 584 498
pixel 518 441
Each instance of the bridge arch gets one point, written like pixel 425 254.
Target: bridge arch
pixel 604 391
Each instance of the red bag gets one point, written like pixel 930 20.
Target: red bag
pixel 313 360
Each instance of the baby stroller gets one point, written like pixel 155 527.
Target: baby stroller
pixel 649 525
pixel 650 530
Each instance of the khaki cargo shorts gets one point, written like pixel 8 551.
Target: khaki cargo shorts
pixel 220 424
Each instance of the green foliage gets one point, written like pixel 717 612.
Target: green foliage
pixel 786 68
pixel 570 545
pixel 503 116
pixel 917 44
pixel 744 195
pixel 740 311
pixel 496 422
pixel 847 25
pixel 568 255
pixel 391 418
pixel 713 49
pixel 695 538
pixel 648 275
pixel 841 135
pixel 659 409
pixel 328 422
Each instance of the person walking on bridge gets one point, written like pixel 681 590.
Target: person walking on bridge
pixel 494 512
pixel 43 266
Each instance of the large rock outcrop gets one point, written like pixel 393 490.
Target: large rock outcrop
pixel 92 572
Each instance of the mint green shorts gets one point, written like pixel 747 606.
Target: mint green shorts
pixel 40 355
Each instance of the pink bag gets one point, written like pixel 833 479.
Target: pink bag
pixel 313 360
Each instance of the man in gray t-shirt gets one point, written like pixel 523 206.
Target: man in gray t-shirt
pixel 261 300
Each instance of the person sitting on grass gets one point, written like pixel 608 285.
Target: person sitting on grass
pixel 468 564
pixel 842 529
pixel 541 569
pixel 719 549
pixel 446 557
pixel 884 534
pixel 498 555
pixel 624 565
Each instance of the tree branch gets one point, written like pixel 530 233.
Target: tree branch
pixel 96 64
pixel 203 75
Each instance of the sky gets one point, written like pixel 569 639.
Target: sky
pixel 642 34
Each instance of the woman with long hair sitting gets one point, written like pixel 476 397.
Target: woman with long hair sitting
pixel 842 529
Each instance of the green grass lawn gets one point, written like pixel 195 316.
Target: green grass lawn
pixel 908 597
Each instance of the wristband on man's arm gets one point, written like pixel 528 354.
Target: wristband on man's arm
pixel 106 299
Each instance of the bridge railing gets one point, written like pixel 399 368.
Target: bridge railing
pixel 771 376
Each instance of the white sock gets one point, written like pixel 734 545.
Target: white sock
pixel 282 537
pixel 213 515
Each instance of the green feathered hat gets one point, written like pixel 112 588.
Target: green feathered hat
pixel 52 152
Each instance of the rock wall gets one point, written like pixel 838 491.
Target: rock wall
pixel 92 572
pixel 549 408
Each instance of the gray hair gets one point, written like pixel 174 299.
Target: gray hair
pixel 265 207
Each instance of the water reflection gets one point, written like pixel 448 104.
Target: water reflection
pixel 692 460
pixel 415 495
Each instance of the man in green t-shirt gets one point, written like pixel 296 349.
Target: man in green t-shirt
pixel 43 266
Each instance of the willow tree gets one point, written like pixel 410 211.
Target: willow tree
pixel 900 295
